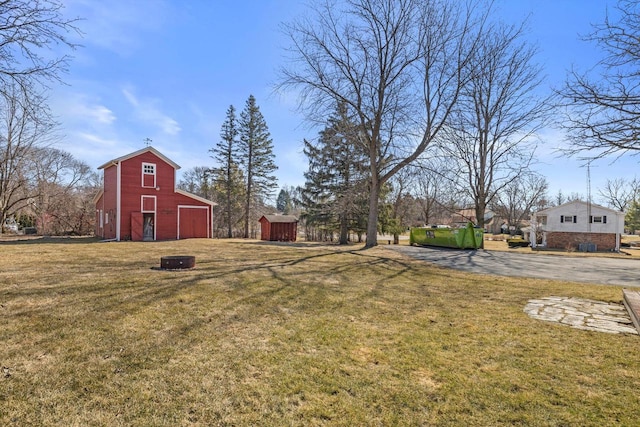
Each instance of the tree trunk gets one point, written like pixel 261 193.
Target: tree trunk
pixel 480 210
pixel 246 217
pixel 372 225
pixel 229 228
pixel 344 230
pixel 247 206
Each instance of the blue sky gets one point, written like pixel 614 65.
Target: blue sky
pixel 168 70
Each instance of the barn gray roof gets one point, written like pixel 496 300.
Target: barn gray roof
pixel 280 218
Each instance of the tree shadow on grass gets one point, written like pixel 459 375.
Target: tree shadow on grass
pixel 279 277
pixel 37 240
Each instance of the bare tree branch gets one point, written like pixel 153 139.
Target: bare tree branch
pixel 398 65
pixel 25 125
pixel 620 193
pixel 518 199
pixel 491 137
pixel 603 106
pixel 28 29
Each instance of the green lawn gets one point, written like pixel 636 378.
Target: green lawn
pixel 263 334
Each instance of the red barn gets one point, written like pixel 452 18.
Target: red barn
pixel 283 228
pixel 139 201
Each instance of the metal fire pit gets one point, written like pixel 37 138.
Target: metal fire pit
pixel 177 262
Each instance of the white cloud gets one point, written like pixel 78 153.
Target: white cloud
pixel 97 113
pixel 81 108
pixel 147 110
pixel 118 25
pixel 92 148
pixel 96 140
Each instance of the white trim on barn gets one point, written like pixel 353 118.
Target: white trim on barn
pixel 137 153
pixel 118 198
pixel 148 169
pixel 209 220
pixel 155 204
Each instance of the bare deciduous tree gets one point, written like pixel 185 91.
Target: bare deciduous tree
pixel 491 137
pixel 71 209
pixel 26 28
pixel 57 178
pixel 403 204
pixel 619 193
pixel 603 107
pixel 25 124
pixel 435 192
pixel 560 198
pixel 517 200
pixel 197 180
pixel 397 65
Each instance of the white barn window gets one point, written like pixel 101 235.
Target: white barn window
pixel 148 174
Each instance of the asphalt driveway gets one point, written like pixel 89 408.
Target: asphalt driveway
pixel 604 271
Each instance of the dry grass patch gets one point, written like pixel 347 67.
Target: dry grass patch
pixel 303 334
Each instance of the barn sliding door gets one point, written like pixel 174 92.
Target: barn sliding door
pixel 193 222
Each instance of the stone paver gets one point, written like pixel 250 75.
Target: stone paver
pixel 582 314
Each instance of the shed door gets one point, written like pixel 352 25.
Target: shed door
pixel 194 222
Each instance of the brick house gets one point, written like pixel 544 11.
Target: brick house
pixel 577 225
pixel 139 201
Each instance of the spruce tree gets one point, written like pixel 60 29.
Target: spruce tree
pixel 632 219
pixel 335 193
pixel 226 153
pixel 283 202
pixel 256 158
pixel 230 182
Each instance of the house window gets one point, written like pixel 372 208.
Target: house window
pixel 542 219
pixel 599 219
pixel 148 175
pixel 569 218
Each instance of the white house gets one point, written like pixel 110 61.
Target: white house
pixel 577 225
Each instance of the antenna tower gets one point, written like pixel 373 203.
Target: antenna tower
pixel 589 196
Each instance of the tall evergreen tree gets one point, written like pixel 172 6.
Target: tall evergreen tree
pixel 283 202
pixel 315 197
pixel 336 188
pixel 632 219
pixel 226 154
pixel 256 158
pixel 231 184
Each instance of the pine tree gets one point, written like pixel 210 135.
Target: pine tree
pixel 257 158
pixel 283 202
pixel 228 190
pixel 316 198
pixel 226 153
pixel 335 193
pixel 632 219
